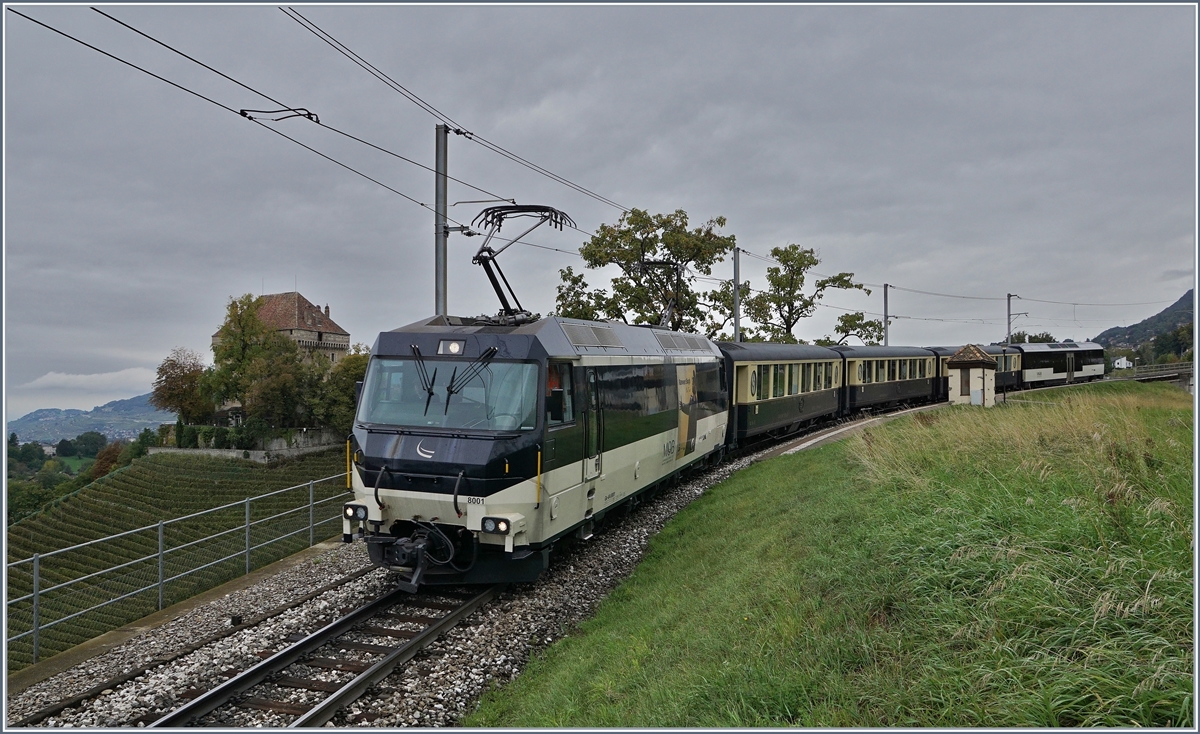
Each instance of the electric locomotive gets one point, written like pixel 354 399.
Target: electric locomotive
pixel 480 443
pixel 477 447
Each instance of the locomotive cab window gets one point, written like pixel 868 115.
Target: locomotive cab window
pixel 560 394
pixel 407 392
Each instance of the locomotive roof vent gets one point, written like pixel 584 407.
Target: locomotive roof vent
pixel 673 341
pixel 582 335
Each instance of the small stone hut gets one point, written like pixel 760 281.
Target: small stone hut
pixel 972 377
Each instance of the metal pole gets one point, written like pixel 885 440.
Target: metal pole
pixel 885 315
pixel 310 513
pixel 737 287
pixel 37 572
pixel 1008 321
pixel 439 222
pixel 160 565
pixel 247 535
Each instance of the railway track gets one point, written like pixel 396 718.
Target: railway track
pixel 335 665
pixel 310 694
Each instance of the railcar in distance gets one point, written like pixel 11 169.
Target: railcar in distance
pixel 1008 367
pixel 880 377
pixel 1060 363
pixel 779 388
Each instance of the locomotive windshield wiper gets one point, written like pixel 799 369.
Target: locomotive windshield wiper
pixel 426 383
pixel 470 373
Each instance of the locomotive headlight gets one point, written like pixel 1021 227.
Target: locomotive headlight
pixel 453 347
pixel 354 512
pixel 496 525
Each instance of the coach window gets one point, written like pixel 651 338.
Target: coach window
pixel 559 388
pixel 904 369
pixel 779 381
pixel 921 368
pixel 793 379
pixel 828 375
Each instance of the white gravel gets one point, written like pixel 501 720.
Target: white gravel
pixel 438 688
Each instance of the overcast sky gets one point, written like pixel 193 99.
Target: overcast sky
pixel 1043 151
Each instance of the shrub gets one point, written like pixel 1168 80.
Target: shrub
pixel 205 436
pixel 220 438
pixel 191 439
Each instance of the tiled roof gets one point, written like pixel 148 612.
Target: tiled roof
pixel 294 311
pixel 970 355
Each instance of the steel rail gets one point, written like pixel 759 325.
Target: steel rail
pixel 324 711
pixel 254 675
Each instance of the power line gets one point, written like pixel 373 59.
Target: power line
pixel 952 295
pixel 277 132
pixel 309 117
pixel 226 108
pixel 1070 303
pixel 412 97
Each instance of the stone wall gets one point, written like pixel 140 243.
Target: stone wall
pixel 262 457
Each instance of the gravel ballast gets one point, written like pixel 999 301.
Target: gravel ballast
pixel 441 685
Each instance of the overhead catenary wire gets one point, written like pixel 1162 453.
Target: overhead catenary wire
pixel 457 128
pixel 222 106
pixel 315 120
pixel 969 298
pixel 272 129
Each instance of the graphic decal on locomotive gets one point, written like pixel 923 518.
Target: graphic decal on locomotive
pixel 686 379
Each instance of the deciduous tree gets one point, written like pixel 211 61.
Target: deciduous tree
pixel 89 444
pixel 779 307
pixel 659 257
pixel 337 394
pixel 1020 337
pixel 177 386
pixel 868 331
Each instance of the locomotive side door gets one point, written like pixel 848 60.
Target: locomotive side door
pixel 1070 367
pixel 593 427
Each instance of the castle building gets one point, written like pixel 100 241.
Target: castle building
pixel 297 318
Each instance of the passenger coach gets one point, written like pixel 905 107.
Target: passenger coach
pixel 1060 363
pixel 779 388
pixel 878 377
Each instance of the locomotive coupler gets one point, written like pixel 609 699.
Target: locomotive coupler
pixel 402 555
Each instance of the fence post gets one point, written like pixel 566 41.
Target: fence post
pixel 247 535
pixel 37 572
pixel 310 513
pixel 160 565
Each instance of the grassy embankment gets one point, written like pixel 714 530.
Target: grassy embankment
pixel 1030 565
pixel 157 487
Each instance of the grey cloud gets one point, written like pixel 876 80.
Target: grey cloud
pixel 1041 150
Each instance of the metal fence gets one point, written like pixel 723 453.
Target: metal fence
pixel 1147 370
pixel 58 599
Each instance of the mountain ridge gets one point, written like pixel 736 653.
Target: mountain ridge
pixel 123 419
pixel 1170 318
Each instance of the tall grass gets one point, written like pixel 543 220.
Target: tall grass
pixel 1027 565
pixel 1055 554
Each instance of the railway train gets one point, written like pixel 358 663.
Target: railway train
pixel 480 446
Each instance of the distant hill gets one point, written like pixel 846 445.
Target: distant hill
pixel 119 419
pixel 1169 319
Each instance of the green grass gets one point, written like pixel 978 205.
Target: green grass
pixel 154 488
pixel 1029 565
pixel 75 462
